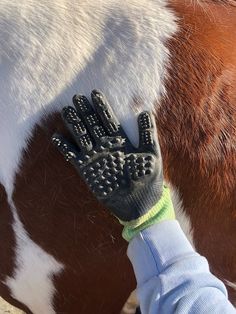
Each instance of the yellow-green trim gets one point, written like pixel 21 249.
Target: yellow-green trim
pixel 163 210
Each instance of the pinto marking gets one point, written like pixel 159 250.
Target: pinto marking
pixel 32 281
pixel 147 54
pixel 117 51
pixel 182 217
pixel 84 70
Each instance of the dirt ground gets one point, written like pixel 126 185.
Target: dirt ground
pixel 6 308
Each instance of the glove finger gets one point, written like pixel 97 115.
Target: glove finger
pixel 67 149
pixel 148 140
pixel 106 114
pixel 77 128
pixel 89 116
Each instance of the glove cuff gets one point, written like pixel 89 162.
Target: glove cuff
pixel 163 210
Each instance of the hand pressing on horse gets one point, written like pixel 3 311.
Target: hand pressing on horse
pixel 127 179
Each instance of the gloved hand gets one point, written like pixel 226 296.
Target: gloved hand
pixel 128 180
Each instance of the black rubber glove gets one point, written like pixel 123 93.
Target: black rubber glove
pixel 126 179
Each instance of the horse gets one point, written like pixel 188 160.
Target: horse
pixel 61 250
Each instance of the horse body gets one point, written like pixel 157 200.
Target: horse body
pixel 200 141
pixel 61 249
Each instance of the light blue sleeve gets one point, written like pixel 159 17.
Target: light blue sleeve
pixel 171 276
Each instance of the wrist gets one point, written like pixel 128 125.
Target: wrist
pixel 163 210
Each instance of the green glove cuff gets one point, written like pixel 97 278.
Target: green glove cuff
pixel 163 210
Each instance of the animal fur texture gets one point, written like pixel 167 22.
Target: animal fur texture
pixel 144 55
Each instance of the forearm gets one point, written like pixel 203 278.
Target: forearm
pixel 171 276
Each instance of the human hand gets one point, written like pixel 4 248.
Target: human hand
pixel 128 180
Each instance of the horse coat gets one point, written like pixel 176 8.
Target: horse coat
pixel 60 250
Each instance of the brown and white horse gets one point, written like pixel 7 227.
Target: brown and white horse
pixel 60 250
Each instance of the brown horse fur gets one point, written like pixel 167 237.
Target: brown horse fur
pixel 197 127
pixel 197 130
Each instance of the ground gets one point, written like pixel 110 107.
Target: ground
pixel 6 308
